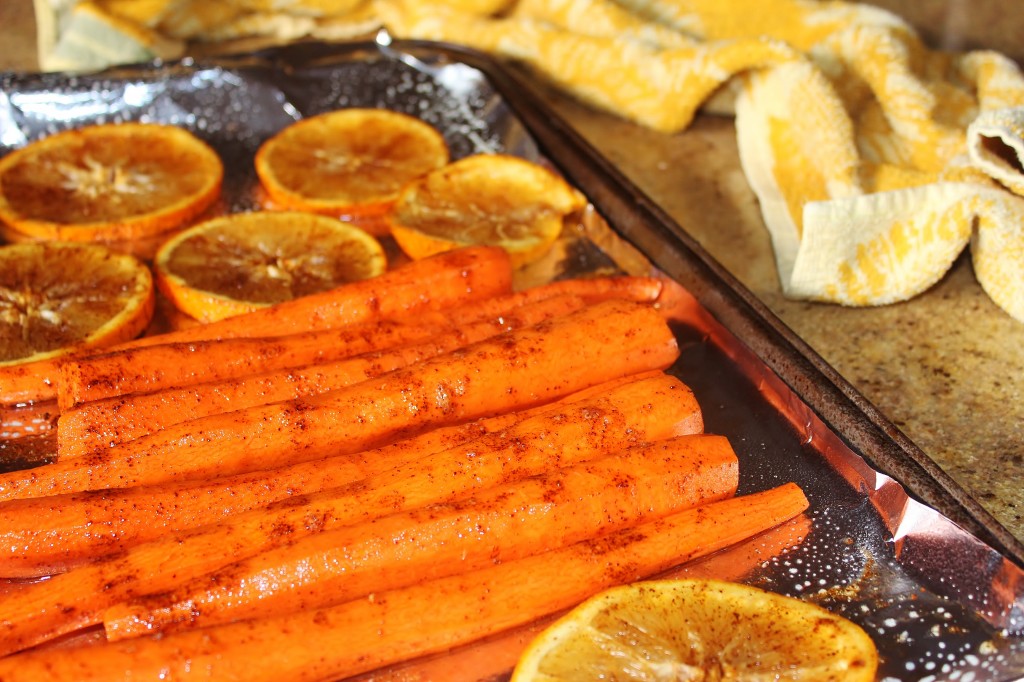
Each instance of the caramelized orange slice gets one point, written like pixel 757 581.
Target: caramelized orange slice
pixel 108 182
pixel 238 263
pixel 57 297
pixel 698 630
pixel 486 199
pixel 349 163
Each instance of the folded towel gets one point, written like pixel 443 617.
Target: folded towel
pixel 876 160
pixel 83 35
pixel 846 124
pixel 995 141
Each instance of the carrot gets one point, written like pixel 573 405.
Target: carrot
pixel 597 289
pixel 430 283
pixel 494 657
pixel 133 369
pixel 515 370
pixel 490 658
pixel 742 561
pixel 53 530
pixel 101 423
pixel 502 523
pixel 424 618
pixel 42 611
pixel 56 533
pixel 128 371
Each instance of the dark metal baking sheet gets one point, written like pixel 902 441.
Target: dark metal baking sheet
pixel 890 541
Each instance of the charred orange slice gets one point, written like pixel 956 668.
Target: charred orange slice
pixel 698 630
pixel 108 182
pixel 58 297
pixel 486 199
pixel 238 263
pixel 349 163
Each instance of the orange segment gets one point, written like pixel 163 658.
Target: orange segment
pixel 349 163
pixel 237 263
pixel 486 199
pixel 108 182
pixel 698 630
pixel 56 297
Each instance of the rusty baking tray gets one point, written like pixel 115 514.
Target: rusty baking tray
pixel 890 541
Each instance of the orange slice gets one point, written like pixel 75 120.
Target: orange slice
pixel 108 182
pixel 349 163
pixel 486 199
pixel 57 297
pixel 698 630
pixel 238 263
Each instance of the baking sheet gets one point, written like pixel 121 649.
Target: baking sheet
pixel 939 602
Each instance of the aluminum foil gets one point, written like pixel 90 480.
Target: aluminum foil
pixel 939 603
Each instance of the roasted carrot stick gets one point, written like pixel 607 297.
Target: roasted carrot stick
pixel 379 459
pixel 55 533
pixel 669 473
pixel 132 369
pixel 597 289
pixel 515 370
pixel 400 624
pixel 127 371
pixel 502 523
pixel 165 562
pixel 101 423
pixel 494 657
pixel 490 658
pixel 430 283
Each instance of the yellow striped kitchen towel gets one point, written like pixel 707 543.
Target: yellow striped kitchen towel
pixel 876 160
